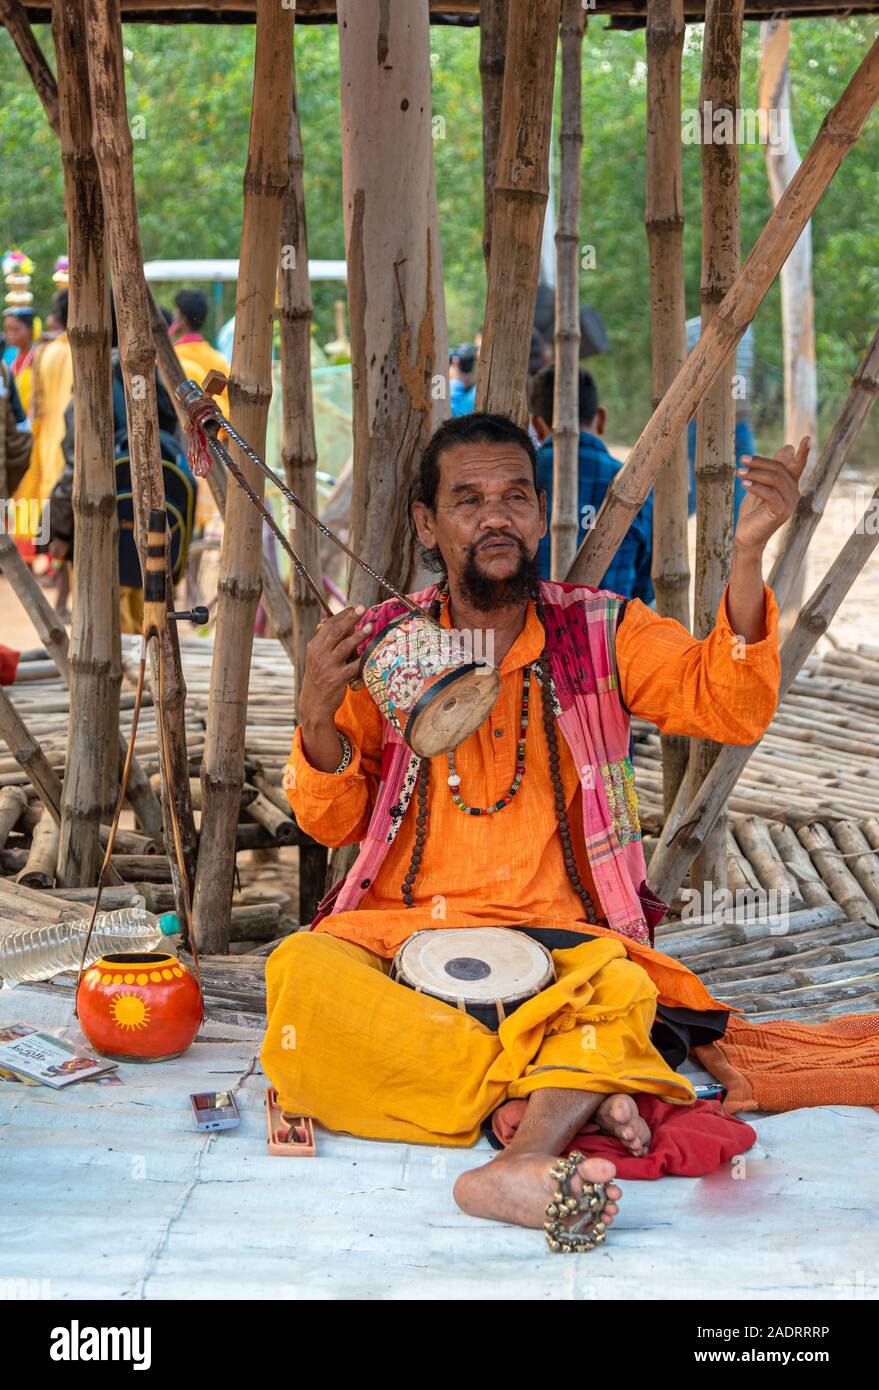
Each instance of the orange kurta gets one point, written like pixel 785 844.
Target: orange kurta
pixel 507 869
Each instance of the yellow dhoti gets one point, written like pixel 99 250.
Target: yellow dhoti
pixel 363 1054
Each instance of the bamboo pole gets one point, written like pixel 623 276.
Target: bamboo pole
pixel 14 17
pixel 839 130
pixel 265 181
pixel 664 224
pixel 13 804
pixel 113 150
pixel 565 519
pixel 810 507
pixel 395 294
pixel 95 659
pixel 274 596
pixel 797 295
pixel 673 855
pixel 44 618
pixel 493 20
pixel 42 860
pixel 521 187
pixel 715 436
pixel 29 755
pixel 298 448
pixel 816 490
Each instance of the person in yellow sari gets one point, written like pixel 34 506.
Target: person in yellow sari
pixel 22 330
pixel 51 393
pixel 362 1053
pixel 197 358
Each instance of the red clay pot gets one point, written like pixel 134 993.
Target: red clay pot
pixel 142 1006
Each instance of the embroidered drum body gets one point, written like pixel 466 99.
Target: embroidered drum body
pixel 425 682
pixel 485 971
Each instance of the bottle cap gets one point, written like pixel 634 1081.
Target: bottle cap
pixel 170 923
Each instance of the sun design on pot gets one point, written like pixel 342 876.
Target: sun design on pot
pixel 129 1012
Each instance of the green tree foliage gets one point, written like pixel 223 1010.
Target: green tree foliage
pixel 189 104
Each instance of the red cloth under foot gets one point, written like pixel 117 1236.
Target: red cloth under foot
pixel 687 1140
pixel 8 665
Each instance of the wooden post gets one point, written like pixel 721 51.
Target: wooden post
pixel 298 449
pixel 565 519
pixel 250 390
pixel 493 19
pixel 395 295
pixel 521 187
pixel 675 852
pixel 112 145
pixel 797 298
pixel 664 223
pixel 819 485
pixel 839 130
pixel 95 656
pixel 715 438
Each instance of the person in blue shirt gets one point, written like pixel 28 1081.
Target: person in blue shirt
pixel 462 379
pixel 629 570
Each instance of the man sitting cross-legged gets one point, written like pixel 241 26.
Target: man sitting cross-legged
pixel 560 857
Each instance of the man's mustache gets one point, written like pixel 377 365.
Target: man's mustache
pixel 499 536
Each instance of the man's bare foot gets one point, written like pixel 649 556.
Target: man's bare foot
pixel 516 1187
pixel 619 1116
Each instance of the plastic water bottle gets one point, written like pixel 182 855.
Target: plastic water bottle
pixel 38 953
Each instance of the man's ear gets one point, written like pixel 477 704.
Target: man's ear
pixel 541 498
pixel 600 420
pixel 423 518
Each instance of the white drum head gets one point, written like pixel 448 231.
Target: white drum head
pixel 475 964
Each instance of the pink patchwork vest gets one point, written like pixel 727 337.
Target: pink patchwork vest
pixel 580 628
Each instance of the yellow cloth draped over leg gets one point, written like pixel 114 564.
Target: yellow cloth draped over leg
pixel 365 1055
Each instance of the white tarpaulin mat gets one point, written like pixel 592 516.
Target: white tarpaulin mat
pixel 111 1192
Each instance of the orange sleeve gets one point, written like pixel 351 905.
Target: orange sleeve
pixel 334 808
pixel 720 688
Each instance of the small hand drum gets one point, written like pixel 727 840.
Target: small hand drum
pixel 486 972
pixel 424 681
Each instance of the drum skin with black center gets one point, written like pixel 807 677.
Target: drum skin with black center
pixel 486 972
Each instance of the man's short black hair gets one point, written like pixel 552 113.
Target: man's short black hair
pixel 192 306
pixel 478 427
pixel 541 395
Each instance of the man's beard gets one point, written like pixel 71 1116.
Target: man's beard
pixel 486 594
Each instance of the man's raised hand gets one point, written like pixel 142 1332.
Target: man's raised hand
pixel 773 491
